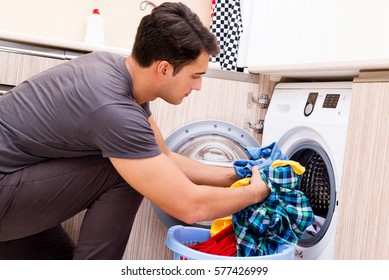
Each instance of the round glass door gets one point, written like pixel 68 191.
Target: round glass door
pixel 212 149
pixel 210 142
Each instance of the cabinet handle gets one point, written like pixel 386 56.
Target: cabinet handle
pixel 4 89
pixel 27 49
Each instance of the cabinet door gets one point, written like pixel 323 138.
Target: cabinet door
pixel 363 224
pixel 218 99
pixel 15 68
pixel 292 32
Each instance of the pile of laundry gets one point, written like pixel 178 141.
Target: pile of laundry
pixel 260 228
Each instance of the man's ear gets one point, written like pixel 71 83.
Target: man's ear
pixel 163 68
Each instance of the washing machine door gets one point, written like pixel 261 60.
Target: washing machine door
pixel 306 146
pixel 211 142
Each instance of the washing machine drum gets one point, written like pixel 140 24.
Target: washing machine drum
pixel 318 184
pixel 211 142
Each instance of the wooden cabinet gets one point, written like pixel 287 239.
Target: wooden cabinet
pixel 363 224
pixel 15 68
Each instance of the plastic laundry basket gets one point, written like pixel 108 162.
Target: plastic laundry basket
pixel 180 237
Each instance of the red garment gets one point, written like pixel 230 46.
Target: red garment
pixel 223 243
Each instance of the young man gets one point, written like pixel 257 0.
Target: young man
pixel 81 136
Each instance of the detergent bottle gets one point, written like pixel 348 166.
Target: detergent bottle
pixel 94 28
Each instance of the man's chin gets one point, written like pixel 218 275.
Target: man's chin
pixel 178 102
pixel 174 102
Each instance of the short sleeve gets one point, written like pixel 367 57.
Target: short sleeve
pixel 121 131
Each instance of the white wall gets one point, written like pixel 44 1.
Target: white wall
pixel 364 29
pixel 66 19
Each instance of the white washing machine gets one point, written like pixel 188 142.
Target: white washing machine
pixel 211 142
pixel 309 122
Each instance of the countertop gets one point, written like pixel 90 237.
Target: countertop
pixel 77 46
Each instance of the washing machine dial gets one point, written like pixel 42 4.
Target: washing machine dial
pixel 308 109
pixel 310 104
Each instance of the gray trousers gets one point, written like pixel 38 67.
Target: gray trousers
pixel 36 200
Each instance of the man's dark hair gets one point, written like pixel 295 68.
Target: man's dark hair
pixel 174 33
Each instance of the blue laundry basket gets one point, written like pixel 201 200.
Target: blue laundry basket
pixel 180 237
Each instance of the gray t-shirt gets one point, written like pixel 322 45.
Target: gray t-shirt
pixel 82 107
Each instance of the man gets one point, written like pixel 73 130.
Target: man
pixel 81 136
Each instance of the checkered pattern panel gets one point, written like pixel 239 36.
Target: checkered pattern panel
pixel 227 26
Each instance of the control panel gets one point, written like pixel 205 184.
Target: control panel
pixel 330 102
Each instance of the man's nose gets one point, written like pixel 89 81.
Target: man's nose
pixel 197 84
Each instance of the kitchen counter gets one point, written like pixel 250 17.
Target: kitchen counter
pixel 72 46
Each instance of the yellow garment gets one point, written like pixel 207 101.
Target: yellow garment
pixel 241 182
pixel 297 167
pixel 219 224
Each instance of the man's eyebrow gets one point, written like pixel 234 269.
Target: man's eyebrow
pixel 200 73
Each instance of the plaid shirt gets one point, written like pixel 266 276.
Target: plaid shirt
pixel 281 219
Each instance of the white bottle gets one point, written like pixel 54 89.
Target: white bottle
pixel 94 28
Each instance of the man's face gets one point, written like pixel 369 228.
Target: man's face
pixel 189 78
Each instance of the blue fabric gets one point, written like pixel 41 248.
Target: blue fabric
pixel 282 218
pixel 268 154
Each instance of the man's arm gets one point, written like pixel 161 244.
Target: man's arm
pixel 161 181
pixel 184 188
